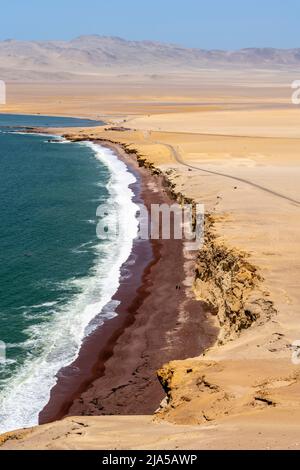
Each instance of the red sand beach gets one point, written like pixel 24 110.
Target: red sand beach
pixel 157 321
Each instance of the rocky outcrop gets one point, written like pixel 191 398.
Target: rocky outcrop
pixel 200 391
pixel 231 285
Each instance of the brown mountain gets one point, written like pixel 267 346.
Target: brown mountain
pixel 89 55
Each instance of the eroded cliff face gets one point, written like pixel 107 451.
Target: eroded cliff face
pixel 224 277
pixel 199 390
pixel 231 285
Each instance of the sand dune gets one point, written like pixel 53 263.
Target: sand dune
pixel 268 431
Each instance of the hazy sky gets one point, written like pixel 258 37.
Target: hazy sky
pixel 222 24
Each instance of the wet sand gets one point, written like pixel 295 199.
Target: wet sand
pixel 157 321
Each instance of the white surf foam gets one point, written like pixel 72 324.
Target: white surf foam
pixel 56 343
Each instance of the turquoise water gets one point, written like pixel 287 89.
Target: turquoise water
pixel 56 276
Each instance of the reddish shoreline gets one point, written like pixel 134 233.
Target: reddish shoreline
pixel 156 322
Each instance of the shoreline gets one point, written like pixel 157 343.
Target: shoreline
pixel 94 383
pixel 76 377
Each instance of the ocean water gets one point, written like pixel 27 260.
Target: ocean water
pixel 57 277
pixel 20 120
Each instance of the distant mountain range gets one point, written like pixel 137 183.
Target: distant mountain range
pixel 89 55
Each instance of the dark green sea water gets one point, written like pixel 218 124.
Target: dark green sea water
pixel 55 274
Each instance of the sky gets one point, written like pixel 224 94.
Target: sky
pixel 207 24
